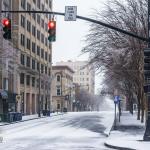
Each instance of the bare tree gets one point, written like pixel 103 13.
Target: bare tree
pixel 118 55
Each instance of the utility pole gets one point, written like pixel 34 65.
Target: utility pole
pixel 147 130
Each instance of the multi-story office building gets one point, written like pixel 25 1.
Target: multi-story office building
pixel 84 74
pixel 30 38
pixel 63 91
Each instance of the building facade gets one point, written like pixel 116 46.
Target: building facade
pixel 29 37
pixel 84 74
pixel 63 92
pixel 8 67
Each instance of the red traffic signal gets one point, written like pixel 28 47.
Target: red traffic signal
pixel 52 30
pixel 51 25
pixel 6 28
pixel 6 22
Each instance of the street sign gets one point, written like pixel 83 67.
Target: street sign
pixel 116 99
pixel 70 13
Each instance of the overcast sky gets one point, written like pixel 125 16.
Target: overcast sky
pixel 70 35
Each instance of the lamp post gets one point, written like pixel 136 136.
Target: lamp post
pixel 39 98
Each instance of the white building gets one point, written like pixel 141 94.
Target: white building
pixel 84 74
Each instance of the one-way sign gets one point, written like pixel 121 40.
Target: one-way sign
pixel 70 13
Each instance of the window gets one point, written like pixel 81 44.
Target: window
pixel 49 46
pixel 22 58
pixel 33 47
pixel 28 26
pixel 50 4
pixel 58 106
pixel 38 19
pixel 46 13
pixel 22 78
pixel 34 1
pixel 49 71
pixel 22 21
pixel 33 64
pixel 42 7
pixel 45 70
pixel 34 15
pixel 28 44
pixel 38 50
pixel 46 27
pixel 28 80
pixel 49 57
pixel 33 81
pixel 58 78
pixel 45 55
pixel 42 23
pixel 33 30
pixel 28 61
pixel 50 18
pixel 58 91
pixel 42 68
pixel 28 7
pixel 46 41
pixel 38 65
pixel 42 37
pixel 22 40
pixel 37 83
pixel 42 84
pixel 39 4
pixel 23 4
pixel 42 53
pixel 38 34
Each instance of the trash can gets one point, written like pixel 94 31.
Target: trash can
pixel 64 109
pixel 9 117
pixel 19 116
pixel 1 117
pixel 44 112
pixel 48 112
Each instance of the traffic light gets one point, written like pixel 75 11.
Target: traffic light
pixel 6 28
pixel 52 31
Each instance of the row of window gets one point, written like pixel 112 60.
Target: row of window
pixel 33 81
pixel 35 48
pixel 28 62
pixel 81 79
pixel 35 33
pixel 35 16
pixel 26 5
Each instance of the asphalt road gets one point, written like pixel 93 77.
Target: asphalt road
pixel 72 131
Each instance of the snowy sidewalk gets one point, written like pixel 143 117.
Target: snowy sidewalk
pixel 129 134
pixel 31 117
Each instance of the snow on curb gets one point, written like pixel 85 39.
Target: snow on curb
pixel 109 122
pixel 117 147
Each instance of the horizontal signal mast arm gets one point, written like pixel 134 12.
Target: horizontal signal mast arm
pixel 84 18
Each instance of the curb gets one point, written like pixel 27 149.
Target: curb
pixel 117 147
pixel 27 120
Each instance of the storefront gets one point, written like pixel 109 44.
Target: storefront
pixel 7 102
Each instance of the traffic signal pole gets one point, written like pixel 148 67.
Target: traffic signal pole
pixel 147 76
pixel 86 19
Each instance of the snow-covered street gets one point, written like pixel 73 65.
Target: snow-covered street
pixel 71 131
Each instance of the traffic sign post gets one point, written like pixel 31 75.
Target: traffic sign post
pixel 116 101
pixel 70 13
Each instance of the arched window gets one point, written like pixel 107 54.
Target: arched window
pixel 58 78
